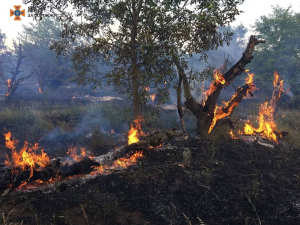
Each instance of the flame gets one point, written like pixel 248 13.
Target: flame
pixel 133 135
pixel 8 87
pixel 219 113
pixel 147 88
pixel 119 163
pixel 153 97
pixel 165 82
pixel 276 78
pixel 219 80
pixel 232 135
pixel 124 162
pixel 267 126
pixel 72 151
pixel 8 83
pixel 112 131
pixel 40 90
pixel 135 132
pixel 226 110
pixel 26 158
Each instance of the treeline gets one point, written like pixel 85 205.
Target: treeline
pixel 133 45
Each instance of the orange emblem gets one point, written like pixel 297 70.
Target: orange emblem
pixel 17 12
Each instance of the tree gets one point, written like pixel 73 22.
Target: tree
pixel 36 40
pixel 150 35
pixel 281 53
pixel 16 80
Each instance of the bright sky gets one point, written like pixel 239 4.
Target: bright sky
pixel 253 9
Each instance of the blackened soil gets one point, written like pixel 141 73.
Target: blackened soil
pixel 227 182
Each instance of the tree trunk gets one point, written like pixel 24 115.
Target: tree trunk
pixel 134 69
pixel 209 115
pixel 179 107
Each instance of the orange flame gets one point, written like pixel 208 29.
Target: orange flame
pixel 8 87
pixel 219 80
pixel 267 126
pixel 147 88
pixel 134 133
pixel 232 135
pixel 8 83
pixel 112 131
pixel 26 158
pixel 276 78
pixel 219 112
pixel 153 97
pixel 119 163
pixel 40 90
pixel 123 162
pixel 72 151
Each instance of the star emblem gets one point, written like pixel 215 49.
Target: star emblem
pixel 17 12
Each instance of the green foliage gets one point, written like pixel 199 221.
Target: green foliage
pixel 281 52
pixel 138 51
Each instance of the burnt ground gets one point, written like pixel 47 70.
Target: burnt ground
pixel 227 182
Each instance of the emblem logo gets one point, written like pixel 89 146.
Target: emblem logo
pixel 17 12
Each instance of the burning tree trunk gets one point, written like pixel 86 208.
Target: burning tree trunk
pixel 209 115
pixel 14 82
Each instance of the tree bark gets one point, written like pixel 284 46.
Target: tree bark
pixel 179 107
pixel 134 69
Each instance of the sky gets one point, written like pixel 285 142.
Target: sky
pixel 253 9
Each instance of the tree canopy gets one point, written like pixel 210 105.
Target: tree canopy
pixel 281 52
pixel 137 39
pixel 36 40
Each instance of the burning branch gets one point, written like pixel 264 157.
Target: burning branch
pixel 206 113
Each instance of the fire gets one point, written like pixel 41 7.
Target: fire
pixel 232 135
pixel 8 83
pixel 123 162
pixel 219 113
pixel 8 87
pixel 40 90
pixel 219 80
pixel 153 97
pixel 135 132
pixel 226 110
pixel 267 126
pixel 249 79
pixel 26 158
pixel 112 131
pixel 133 135
pixel 72 151
pixel 119 163
pixel 147 88
pixel 276 78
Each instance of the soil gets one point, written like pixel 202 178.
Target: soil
pixel 224 182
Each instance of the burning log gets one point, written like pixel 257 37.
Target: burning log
pixel 27 166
